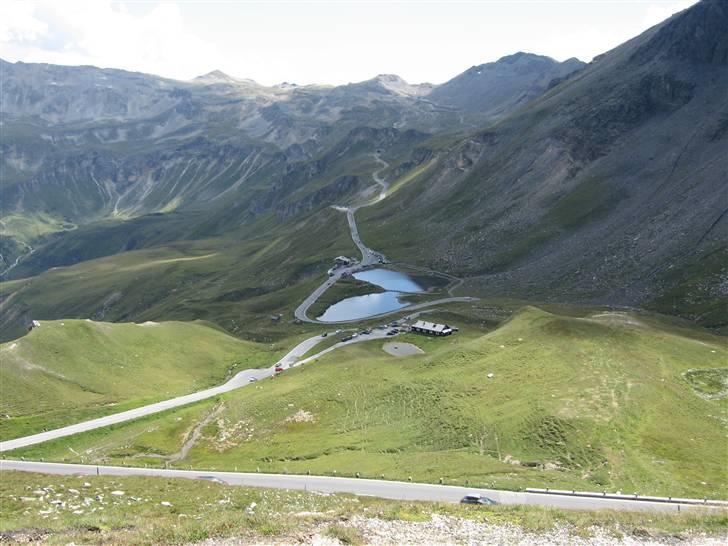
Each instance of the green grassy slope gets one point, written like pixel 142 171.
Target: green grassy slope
pixel 577 402
pixel 65 371
pixel 238 283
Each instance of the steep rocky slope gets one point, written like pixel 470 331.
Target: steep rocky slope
pixel 112 130
pixel 492 90
pixel 83 145
pixel 608 188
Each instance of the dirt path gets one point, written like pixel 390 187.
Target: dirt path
pixel 195 434
pixel 18 259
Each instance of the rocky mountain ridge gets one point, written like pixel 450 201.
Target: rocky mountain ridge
pixel 490 90
pixel 83 144
pixel 602 189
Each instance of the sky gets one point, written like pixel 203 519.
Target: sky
pixel 326 42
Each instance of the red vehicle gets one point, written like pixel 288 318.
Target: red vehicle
pixel 279 369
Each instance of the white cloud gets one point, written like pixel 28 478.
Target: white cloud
pixel 656 12
pixel 103 33
pixel 17 23
pixel 316 41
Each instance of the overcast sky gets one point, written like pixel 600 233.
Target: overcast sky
pixel 316 42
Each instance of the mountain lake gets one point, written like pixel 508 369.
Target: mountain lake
pixel 395 284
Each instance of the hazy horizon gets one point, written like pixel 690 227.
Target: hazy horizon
pixel 327 43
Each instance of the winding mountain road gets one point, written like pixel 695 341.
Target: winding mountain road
pixel 327 484
pixel 378 179
pixel 241 379
pixel 369 258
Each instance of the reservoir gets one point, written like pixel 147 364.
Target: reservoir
pixel 395 283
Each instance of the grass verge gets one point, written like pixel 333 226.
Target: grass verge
pixel 137 511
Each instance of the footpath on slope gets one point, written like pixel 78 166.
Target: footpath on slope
pixel 18 259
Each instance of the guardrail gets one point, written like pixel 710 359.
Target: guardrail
pixel 620 496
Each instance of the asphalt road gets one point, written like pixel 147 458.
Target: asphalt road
pixel 378 179
pixel 375 488
pixel 369 258
pixel 241 379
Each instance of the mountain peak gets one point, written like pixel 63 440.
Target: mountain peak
pixel 393 83
pixel 504 84
pixel 389 78
pixel 216 76
pixel 522 56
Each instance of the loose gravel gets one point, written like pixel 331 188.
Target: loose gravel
pixel 446 530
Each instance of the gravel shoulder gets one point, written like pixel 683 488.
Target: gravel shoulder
pixel 448 530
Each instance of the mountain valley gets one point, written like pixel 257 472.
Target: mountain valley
pixel 605 154
pixel 564 225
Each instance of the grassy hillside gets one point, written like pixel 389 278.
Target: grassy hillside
pixel 236 282
pixel 577 402
pixel 65 371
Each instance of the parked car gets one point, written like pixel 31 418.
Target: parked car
pixel 478 499
pixel 324 334
pixel 279 369
pixel 392 333
pixel 354 335
pixel 347 338
pixel 252 379
pixel 338 331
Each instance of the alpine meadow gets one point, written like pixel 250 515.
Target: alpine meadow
pixel 492 310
